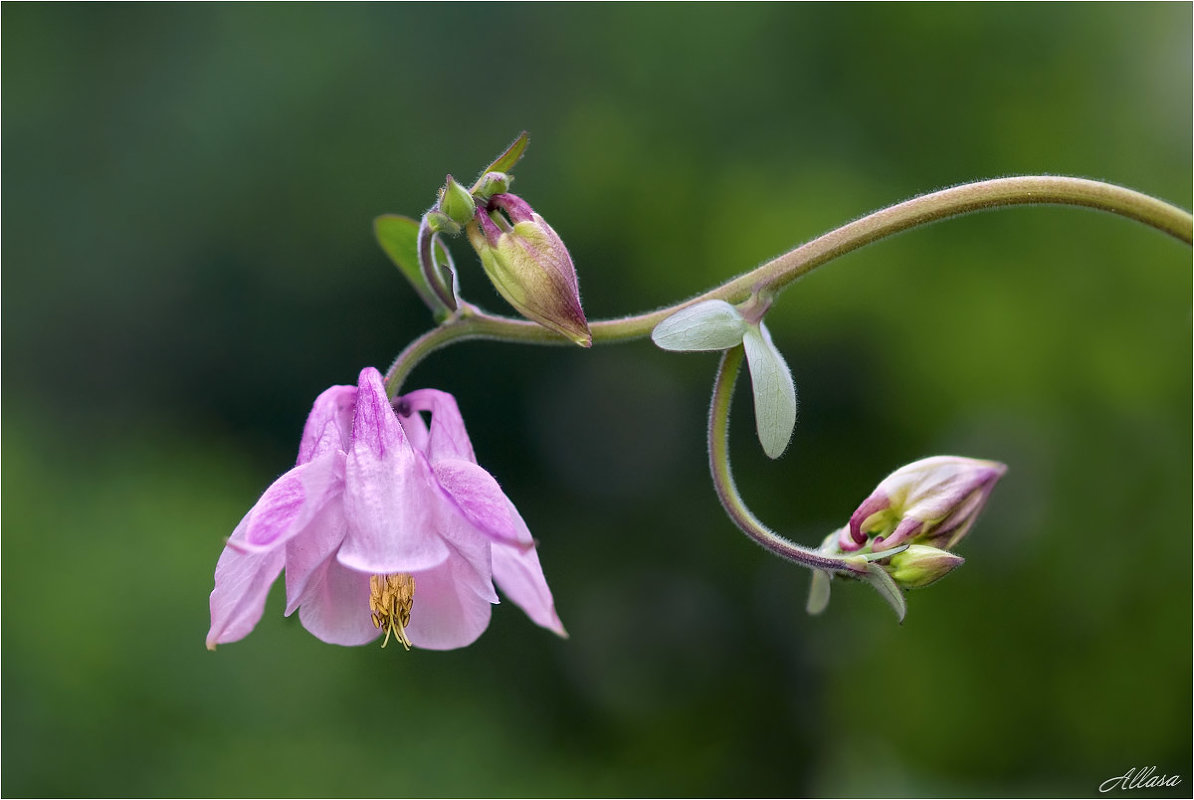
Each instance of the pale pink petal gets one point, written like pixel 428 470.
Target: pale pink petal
pixel 447 611
pixel 237 602
pixel 291 503
pixel 520 577
pixel 477 496
pixel 469 547
pixel 329 425
pixel 336 606
pixel 306 555
pixel 415 428
pixel 390 496
pixel 448 438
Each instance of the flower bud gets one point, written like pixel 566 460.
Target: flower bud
pixel 920 565
pixel 492 183
pixel 933 501
pixel 530 267
pixel 456 202
pixel 439 222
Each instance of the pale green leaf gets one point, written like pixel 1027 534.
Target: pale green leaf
pixel 886 586
pixel 710 325
pixel 774 391
pixel 818 592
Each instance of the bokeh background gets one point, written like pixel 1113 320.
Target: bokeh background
pixel 188 259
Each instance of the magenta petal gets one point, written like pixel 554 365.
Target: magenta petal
pixel 390 497
pixel 877 502
pixel 290 503
pixel 237 602
pixel 478 497
pixel 336 606
pixel 520 577
pixel 447 611
pixel 307 555
pixel 448 438
pixel 329 425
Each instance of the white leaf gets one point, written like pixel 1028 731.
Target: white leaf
pixel 818 592
pixel 710 325
pixel 887 587
pixel 775 393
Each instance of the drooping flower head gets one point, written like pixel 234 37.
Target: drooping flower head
pixel 386 525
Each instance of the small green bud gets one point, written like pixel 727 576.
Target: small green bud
pixel 440 222
pixel 492 183
pixel 457 203
pixel 921 565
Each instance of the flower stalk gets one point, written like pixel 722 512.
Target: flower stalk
pixel 727 491
pixel 471 323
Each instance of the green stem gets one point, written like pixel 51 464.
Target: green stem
pixel 777 274
pixel 727 491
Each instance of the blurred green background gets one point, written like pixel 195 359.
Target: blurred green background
pixel 188 256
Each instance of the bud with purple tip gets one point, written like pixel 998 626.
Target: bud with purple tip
pixel 529 265
pixel 933 501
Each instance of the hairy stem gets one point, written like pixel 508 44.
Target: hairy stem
pixel 727 491
pixel 775 275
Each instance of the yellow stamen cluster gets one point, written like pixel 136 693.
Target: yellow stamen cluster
pixel 390 599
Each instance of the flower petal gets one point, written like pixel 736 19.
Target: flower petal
pixel 390 496
pixel 329 425
pixel 336 606
pixel 415 429
pixel 520 577
pixel 291 503
pixel 448 438
pixel 481 501
pixel 774 390
pixel 709 325
pixel 243 581
pixel 306 555
pixel 447 611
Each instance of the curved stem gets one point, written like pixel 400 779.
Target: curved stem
pixel 727 491
pixel 775 275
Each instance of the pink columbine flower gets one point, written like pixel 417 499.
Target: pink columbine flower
pixel 933 502
pixel 385 525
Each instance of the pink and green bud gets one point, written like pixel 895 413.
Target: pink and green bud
pixel 919 565
pixel 933 502
pixel 529 266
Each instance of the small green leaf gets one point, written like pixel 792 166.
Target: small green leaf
pixel 506 161
pixel 398 237
pixel 887 587
pixel 774 390
pixel 818 592
pixel 711 325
